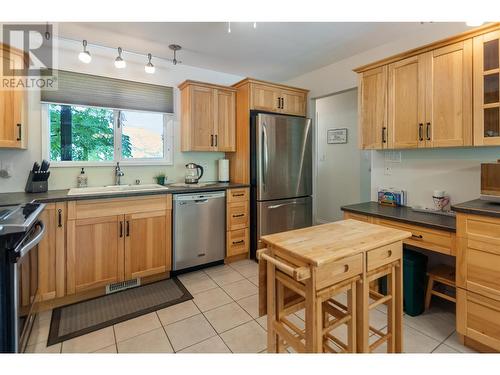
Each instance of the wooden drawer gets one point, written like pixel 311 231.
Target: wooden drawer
pixel 478 317
pixel 86 209
pixel 238 195
pixel 237 215
pixel 383 255
pixel 479 228
pixel 237 242
pixel 335 272
pixel 365 218
pixel 432 239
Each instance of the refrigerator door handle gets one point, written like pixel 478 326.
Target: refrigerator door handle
pixel 265 156
pixel 285 204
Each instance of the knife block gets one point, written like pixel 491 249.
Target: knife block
pixel 35 186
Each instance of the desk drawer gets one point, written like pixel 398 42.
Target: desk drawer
pixel 359 217
pixel 334 272
pixel 482 268
pixel 238 195
pixel 383 255
pixel 426 238
pixel 237 242
pixel 237 215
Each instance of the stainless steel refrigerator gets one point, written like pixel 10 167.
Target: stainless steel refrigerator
pixel 280 173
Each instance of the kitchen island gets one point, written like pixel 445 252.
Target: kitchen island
pixel 309 266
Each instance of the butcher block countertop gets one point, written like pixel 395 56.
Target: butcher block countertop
pixel 326 243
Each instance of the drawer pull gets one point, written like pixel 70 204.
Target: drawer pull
pixel 238 242
pixel 239 215
pixel 238 194
pixel 346 268
pixel 418 236
pixel 389 253
pixel 59 218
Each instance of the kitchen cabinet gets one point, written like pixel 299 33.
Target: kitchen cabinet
pixel 278 99
pixel 237 222
pixel 478 285
pixel 117 239
pixel 52 253
pixel 372 102
pixel 13 105
pixel 208 117
pixel 486 89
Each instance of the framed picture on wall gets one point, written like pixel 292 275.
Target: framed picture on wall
pixel 336 136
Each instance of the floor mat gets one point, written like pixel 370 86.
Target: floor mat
pixel 84 317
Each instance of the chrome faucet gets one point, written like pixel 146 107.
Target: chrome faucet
pixel 118 174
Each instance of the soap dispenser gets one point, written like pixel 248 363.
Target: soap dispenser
pixel 82 179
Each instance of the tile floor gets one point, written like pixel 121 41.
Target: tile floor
pixel 223 318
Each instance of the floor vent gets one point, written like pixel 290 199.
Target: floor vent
pixel 122 285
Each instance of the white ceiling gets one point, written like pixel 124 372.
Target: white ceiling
pixel 275 51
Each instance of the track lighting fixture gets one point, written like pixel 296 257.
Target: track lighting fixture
pixel 84 56
pixel 149 68
pixel 119 62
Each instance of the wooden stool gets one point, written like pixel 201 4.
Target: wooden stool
pixel 323 314
pixel 441 274
pixel 384 261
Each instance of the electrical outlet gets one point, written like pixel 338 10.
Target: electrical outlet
pixel 387 170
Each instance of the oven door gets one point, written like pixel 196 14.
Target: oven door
pixel 26 284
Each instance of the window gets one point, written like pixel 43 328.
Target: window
pixel 83 135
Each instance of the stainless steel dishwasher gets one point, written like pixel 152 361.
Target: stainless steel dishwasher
pixel 199 229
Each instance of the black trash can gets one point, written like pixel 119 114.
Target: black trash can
pixel 414 281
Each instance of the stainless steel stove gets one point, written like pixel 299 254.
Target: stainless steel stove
pixel 20 232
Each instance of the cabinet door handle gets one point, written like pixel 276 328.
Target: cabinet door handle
pixel 279 102
pixel 428 131
pixel 211 140
pixel 239 215
pixel 128 228
pixel 238 242
pixel 420 132
pixel 121 229
pixel 384 140
pixel 19 134
pixel 282 103
pixel 216 140
pixel 59 218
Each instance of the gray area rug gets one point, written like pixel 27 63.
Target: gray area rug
pixel 84 317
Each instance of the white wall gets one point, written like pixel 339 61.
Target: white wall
pixel 342 169
pixel 102 64
pixel 420 171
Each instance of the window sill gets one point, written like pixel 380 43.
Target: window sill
pixel 107 164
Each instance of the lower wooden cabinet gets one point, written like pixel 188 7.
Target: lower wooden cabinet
pixel 52 253
pixel 237 222
pixel 133 241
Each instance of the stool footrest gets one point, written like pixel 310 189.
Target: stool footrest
pixel 381 301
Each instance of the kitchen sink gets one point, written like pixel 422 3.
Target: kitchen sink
pixel 115 189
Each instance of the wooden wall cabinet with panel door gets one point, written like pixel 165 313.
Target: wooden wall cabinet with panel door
pixel 117 239
pixel 52 253
pixel 208 117
pixel 372 107
pixel 478 284
pixel 486 53
pixel 13 104
pixel 237 222
pixel 254 95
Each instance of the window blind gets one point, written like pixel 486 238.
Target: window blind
pixel 97 91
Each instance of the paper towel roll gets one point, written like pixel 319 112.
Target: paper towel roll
pixel 223 170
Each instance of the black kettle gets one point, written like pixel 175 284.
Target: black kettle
pixel 192 176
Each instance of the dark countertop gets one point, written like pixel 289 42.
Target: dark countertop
pixel 404 214
pixel 478 207
pixel 62 195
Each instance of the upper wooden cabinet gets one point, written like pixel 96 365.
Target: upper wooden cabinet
pixel 208 117
pixel 13 105
pixel 441 95
pixel 269 97
pixel 372 102
pixel 487 89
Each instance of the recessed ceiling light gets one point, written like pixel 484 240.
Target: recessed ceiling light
pixel 119 62
pixel 149 68
pixel 84 56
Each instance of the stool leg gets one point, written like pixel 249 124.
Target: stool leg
pixel 398 310
pixel 280 302
pixel 428 293
pixel 362 318
pixel 314 317
pixel 391 311
pixel 272 337
pixel 351 326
